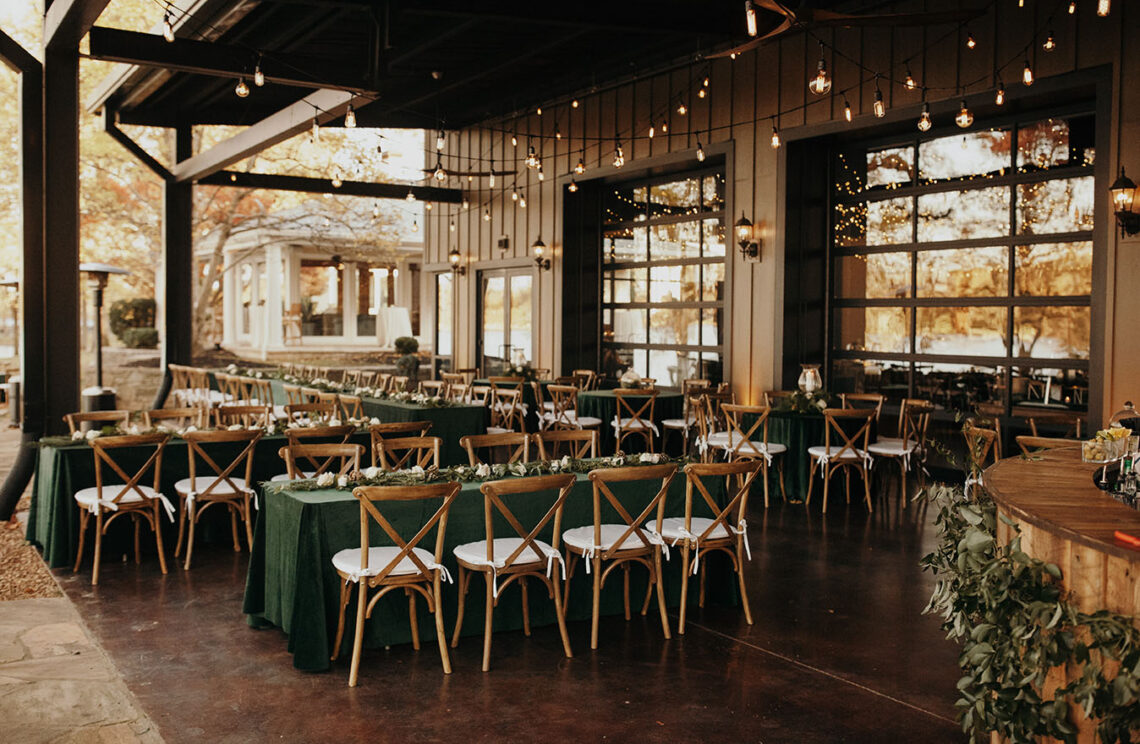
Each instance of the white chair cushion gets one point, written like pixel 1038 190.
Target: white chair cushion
pixel 678 423
pixel 892 448
pixel 285 476
pixel 582 422
pixel 673 528
pixel 202 482
pixel 499 430
pixel 582 538
pixel 347 561
pixel 730 439
pixel 475 553
pixel 88 497
pixel 822 451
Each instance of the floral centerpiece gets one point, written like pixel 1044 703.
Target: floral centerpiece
pixel 801 402
pixel 524 370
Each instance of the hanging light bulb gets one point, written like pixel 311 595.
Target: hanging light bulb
pixel 1050 43
pixel 573 187
pixel 652 131
pixel 440 141
pixel 775 137
pixel 315 133
pixel 350 118
pixel 167 26
pixel 531 157
pixel 750 18
pixel 970 43
pixel 702 93
pixel 574 103
pixel 909 82
pixel 682 109
pixel 879 107
pixel 522 202
pixel 491 180
pixel 452 226
pixel 999 97
pixel 538 111
pixel 924 122
pixel 376 210
pixel 821 83
pixel 541 175
pixel 241 90
pixel 700 152
pixel 846 109
pixel 514 193
pixel 1103 7
pixel 440 174
pixel 732 56
pixel 1027 74
pixel 466 203
pixel 514 140
pixel 410 197
pixel 557 132
pixel 415 226
pixel 428 206
pixel 619 156
pixel 1073 7
pixel 964 118
pixel 336 182
pixel 258 75
pixel 580 168
pixel 664 127
pixel 486 215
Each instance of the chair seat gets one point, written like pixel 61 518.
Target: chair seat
pixel 89 497
pixel 582 422
pixel 285 476
pixel 499 430
pixel 347 562
pixel 632 424
pixel 821 452
pixel 673 529
pixel 730 440
pixel 582 538
pixel 202 482
pixel 892 448
pixel 679 423
pixel 475 553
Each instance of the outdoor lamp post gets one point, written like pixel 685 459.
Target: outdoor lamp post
pixel 97 274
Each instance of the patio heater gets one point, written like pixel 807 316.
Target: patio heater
pixel 99 398
pixel 10 387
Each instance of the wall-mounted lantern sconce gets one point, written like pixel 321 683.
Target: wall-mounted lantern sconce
pixel 1123 193
pixel 540 259
pixel 456 262
pixel 746 239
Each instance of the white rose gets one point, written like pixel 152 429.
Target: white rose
pixel 374 421
pixel 334 422
pixel 821 404
pixel 565 461
pixel 134 429
pixel 77 435
pixel 325 479
pixel 235 427
pixel 645 457
pixel 371 472
pixel 342 481
pixel 483 470
pixel 259 375
pixel 499 470
pixel 555 466
pixel 417 471
pixel 93 434
pixel 518 469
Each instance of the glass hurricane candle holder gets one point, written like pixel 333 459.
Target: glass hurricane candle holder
pixel 810 381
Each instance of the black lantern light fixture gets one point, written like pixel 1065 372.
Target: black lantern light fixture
pixel 1123 192
pixel 746 238
pixel 456 261
pixel 540 259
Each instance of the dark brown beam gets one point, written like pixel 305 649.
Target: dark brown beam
pixel 178 275
pixel 133 147
pixel 324 186
pixel 220 60
pixel 66 21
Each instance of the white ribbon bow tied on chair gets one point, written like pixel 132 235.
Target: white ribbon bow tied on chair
pixel 551 554
pixel 111 505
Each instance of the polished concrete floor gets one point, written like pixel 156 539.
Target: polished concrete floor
pixel 839 652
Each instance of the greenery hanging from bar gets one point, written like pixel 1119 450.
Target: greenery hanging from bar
pixel 1015 624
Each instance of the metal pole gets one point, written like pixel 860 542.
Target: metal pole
pixel 99 333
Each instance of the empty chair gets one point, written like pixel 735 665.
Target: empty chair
pixel 394 429
pixel 388 568
pixel 312 435
pixel 294 394
pixel 310 414
pixel 863 401
pixel 437 388
pixel 97 420
pixel 365 379
pixel 517 557
pixel 1068 425
pixel 175 418
pixel 480 394
pixel 688 417
pixel 587 378
pixel 726 530
pixel 621 543
pixel 910 449
pixel 246 416
pixel 554 444
pixel 459 392
pixel 1031 444
pixel 740 443
pixel 453 378
pixel 338 459
pixel 710 419
pixel 850 452
pixel 563 413
pixel 107 501
pixel 218 484
pixel 542 373
pixel 507 410
pixel 384 382
pixel 470 374
pixel 351 406
pixel 982 448
pixel 504 448
pixel 634 416
pixel 398 384
pixel 399 453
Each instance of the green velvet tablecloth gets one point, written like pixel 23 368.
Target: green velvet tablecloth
pixel 797 431
pixel 449 423
pixel 532 408
pixel 603 404
pixel 292 585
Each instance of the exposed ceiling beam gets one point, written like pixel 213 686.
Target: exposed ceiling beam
pixel 219 60
pixel 324 186
pixel 66 21
pixel 15 56
pixel 133 147
pixel 325 105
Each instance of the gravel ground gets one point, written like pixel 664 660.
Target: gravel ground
pixel 23 574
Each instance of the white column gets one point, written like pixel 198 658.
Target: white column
pixel 274 282
pixel 231 302
pixel 350 298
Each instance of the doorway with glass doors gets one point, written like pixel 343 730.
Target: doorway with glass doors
pixel 505 319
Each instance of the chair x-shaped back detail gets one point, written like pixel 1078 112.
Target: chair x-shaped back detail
pixel 849 454
pixel 516 444
pixel 630 421
pixel 236 492
pixel 400 453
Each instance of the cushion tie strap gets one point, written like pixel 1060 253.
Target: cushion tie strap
pixel 742 530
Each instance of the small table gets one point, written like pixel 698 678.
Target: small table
pixel 449 423
pixel 533 412
pixel 797 432
pixel 603 404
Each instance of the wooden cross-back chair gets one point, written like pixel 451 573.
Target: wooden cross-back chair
pixel 515 447
pixel 469 373
pixel 773 398
pixel 553 444
pixel 246 415
pixel 106 501
pixel 351 406
pixel 398 383
pixel 480 394
pixel 217 485
pixel 403 565
pixel 98 419
pixel 189 386
pixel 634 416
pixel 306 413
pixel 433 387
pixel 563 413
pixel 863 400
pixel 352 377
pixel 338 459
pixel 622 544
pixel 459 392
pixel 453 378
pixel 294 394
pixel 587 378
pixel 311 435
pixel 542 373
pixel 507 413
pixel 516 558
pixel 227 387
pixel 394 429
pixel 851 452
pixel 383 382
pixel 909 450
pixel 1029 444
pixel 175 418
pixel 982 448
pixel 365 379
pixel 400 453
pixel 689 388
pixel 1068 423
pixel 726 530
pixel 751 443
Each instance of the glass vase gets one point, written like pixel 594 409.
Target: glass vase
pixel 810 381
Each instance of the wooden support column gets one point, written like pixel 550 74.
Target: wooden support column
pixel 177 267
pixel 60 309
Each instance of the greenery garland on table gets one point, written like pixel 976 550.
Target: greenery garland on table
pixel 801 402
pixel 1015 624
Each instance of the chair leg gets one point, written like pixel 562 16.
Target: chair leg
pixel 700 583
pixel 181 525
pixel 648 596
pixel 597 602
pixel 684 587
pixel 487 623
pixel 867 489
pixel 412 619
pixel 765 467
pixel 525 606
pixel 158 537
pixel 625 586
pixel 783 491
pixel 560 612
pixel 83 516
pixel 98 546
pixel 440 635
pixel 358 634
pixel 571 564
pixel 656 578
pixel 740 575
pixel 464 580
pixel 344 595
pixel 847 480
pixel 191 520
pixel 827 471
pixel 248 523
pixel 905 494
pixel 138 548
pixel 811 482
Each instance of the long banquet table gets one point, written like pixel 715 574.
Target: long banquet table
pixel 291 583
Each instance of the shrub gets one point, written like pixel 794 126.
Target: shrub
pixel 140 338
pixel 407 345
pixel 135 313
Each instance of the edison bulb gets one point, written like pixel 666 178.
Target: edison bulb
pixel 350 118
pixel 821 83
pixel 1027 74
pixel 964 118
pixel 241 90
pixel 1103 7
pixel 167 27
pixel 880 108
pixel 573 186
pixel 924 122
pixel 1050 43
pixel 750 18
pixel 999 97
pixel 259 77
pixel 775 138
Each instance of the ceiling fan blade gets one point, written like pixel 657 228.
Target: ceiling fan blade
pixel 829 18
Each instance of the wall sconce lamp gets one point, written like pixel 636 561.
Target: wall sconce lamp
pixel 540 260
pixel 456 262
pixel 746 239
pixel 1123 192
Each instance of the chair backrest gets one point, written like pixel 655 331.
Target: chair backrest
pixel 470 374
pixel 1030 444
pixel 863 400
pixel 453 378
pixel 233 414
pixel 352 377
pixel 587 378
pixel 459 392
pixel 351 406
pixel 175 418
pixel 729 518
pixel 340 459
pixel 103 418
pixel 565 401
pixel 714 409
pixel 369 496
pixel 321 411
pixel 365 378
pixel 433 387
pixel 772 398
pixel 399 453
pixel 699 407
pixel 104 449
pixel 320 434
pixel 394 430
pixel 753 441
pixel 915 421
pixel 398 383
pixel 635 408
pixel 542 373
pixel 689 388
pixel 577 443
pixel 504 380
pixel 506 408
pixel 293 394
pixel 634 526
pixel 310 395
pixel 516 444
pixel 981 445
pixel 480 394
pixel 527 550
pixel 1070 423
pixel 856 443
pixel 215 449
pixel 907 402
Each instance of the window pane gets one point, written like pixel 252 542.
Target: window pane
pixel 675 197
pixel 976 331
pixel 1055 142
pixel 674 326
pixel 964 272
pixel 1064 388
pixel 626 245
pixel 712 233
pixel 626 203
pixel 1051 332
pixel 963 156
pixel 679 240
pixel 444 310
pixel 669 368
pixel 1053 269
pixel 630 285
pixel 714 192
pixel 712 283
pixel 629 326
pixel 521 315
pixel 322 296
pixel 1061 205
pixel 961 215
pixel 884 222
pixel 674 283
pixel 877 275
pixel 890 166
pixel 710 328
pixel 885 329
pixel 958 386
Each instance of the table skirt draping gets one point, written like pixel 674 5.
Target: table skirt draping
pixel 603 404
